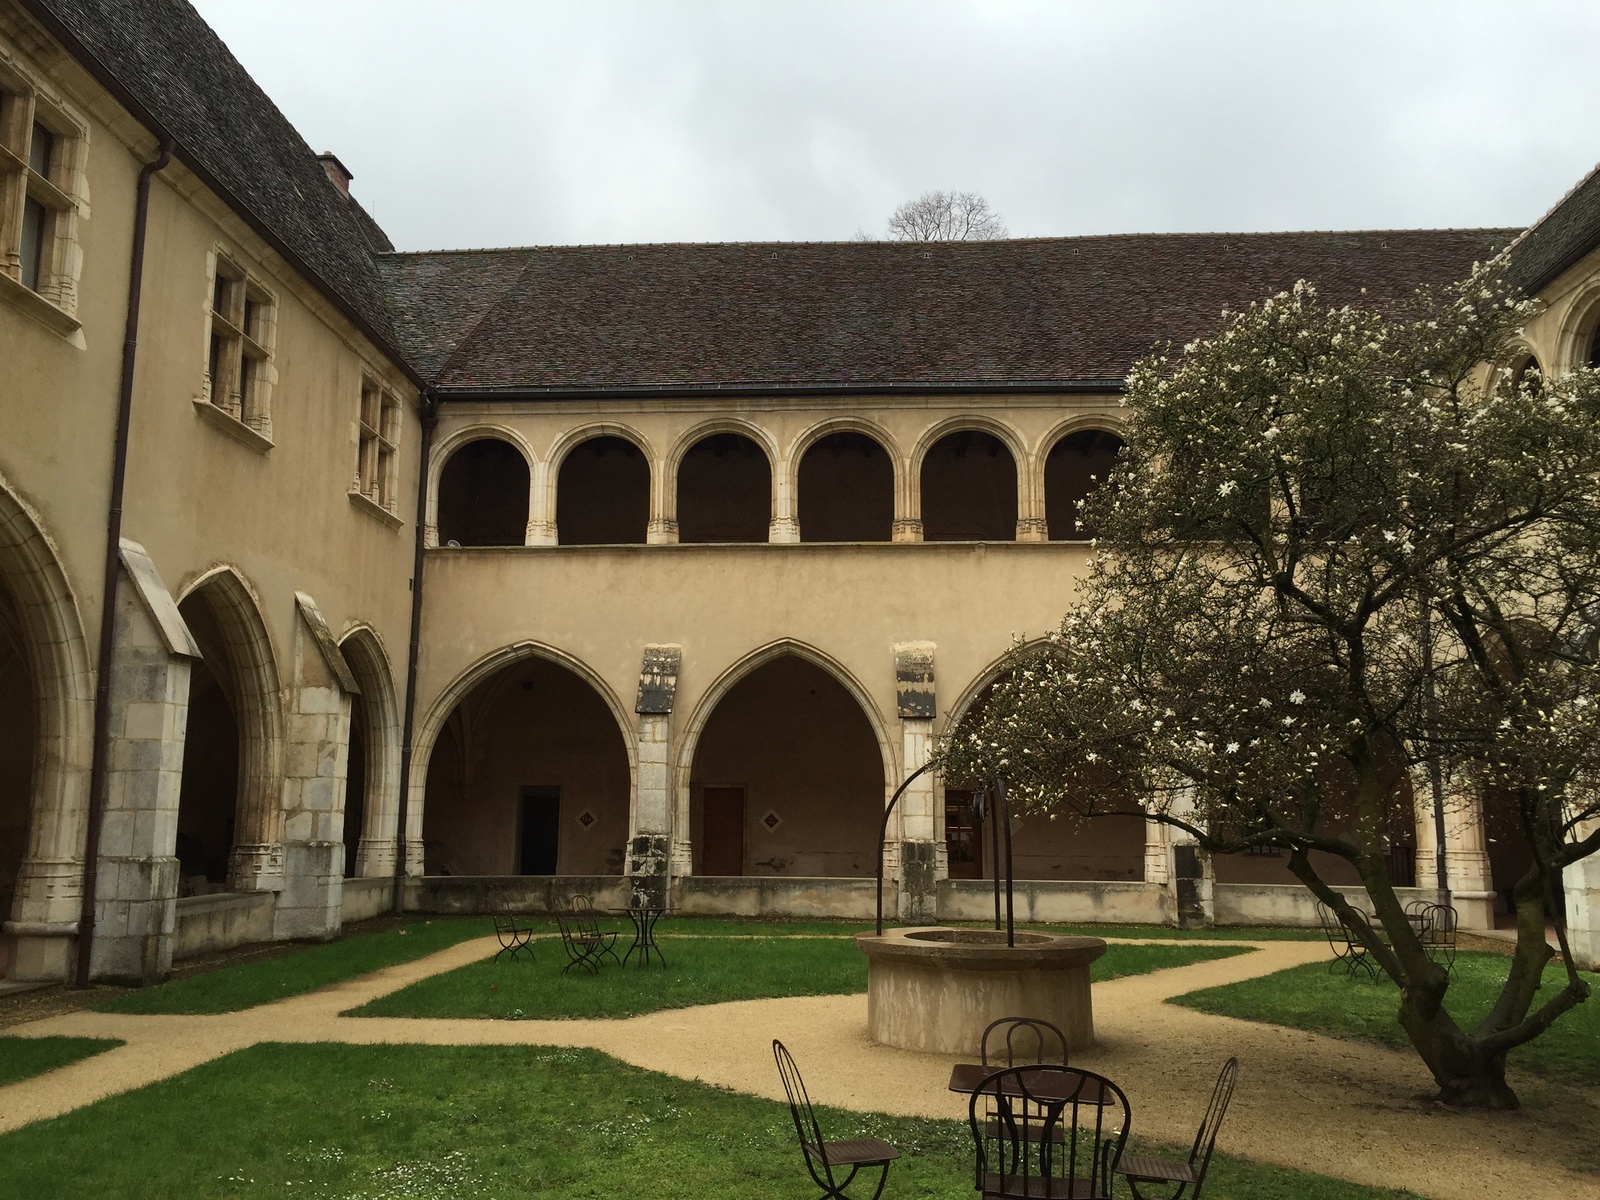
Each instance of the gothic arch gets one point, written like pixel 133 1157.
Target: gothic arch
pixel 50 628
pixel 258 710
pixel 363 650
pixel 1579 337
pixel 446 447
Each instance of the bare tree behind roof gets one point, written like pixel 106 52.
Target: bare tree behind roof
pixel 946 217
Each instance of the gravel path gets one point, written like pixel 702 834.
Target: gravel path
pixel 1342 1108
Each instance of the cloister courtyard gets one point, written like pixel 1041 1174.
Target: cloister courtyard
pixel 404 1060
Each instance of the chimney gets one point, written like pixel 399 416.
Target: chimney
pixel 337 171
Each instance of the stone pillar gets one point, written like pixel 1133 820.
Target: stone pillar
pixel 650 841
pixel 1582 883
pixel 1157 864
pixel 1466 858
pixel 136 887
pixel 1427 866
pixel 541 507
pixel 1190 879
pixel 317 762
pixel 1032 529
pixel 663 527
pixel 917 860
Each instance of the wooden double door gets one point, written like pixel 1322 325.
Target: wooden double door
pixel 722 831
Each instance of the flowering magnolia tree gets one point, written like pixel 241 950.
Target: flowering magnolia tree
pixel 1339 551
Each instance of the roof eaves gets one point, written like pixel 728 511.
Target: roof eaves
pixel 1049 387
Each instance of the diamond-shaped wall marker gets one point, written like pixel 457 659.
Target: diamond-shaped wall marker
pixel 772 820
pixel 586 818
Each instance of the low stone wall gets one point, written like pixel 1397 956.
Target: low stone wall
pixel 1068 902
pixel 207 924
pixel 1289 903
pixel 527 893
pixel 778 896
pixel 363 898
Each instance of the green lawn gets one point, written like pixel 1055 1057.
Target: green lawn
pixel 1308 997
pixel 482 1122
pixel 230 989
pixel 699 971
pixel 23 1057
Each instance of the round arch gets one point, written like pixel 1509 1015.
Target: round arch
pixel 549 484
pixel 813 434
pixel 50 628
pixel 1022 461
pixel 1078 423
pixel 689 739
pixel 686 441
pixel 379 799
pixel 429 728
pixel 446 447
pixel 246 646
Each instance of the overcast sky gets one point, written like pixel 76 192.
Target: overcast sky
pixel 476 123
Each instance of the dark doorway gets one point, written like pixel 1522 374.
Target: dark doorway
pixel 603 494
pixel 724 491
pixel 355 786
pixel 969 490
pixel 208 796
pixel 722 831
pixel 17 708
pixel 483 496
pixel 539 830
pixel 846 490
pixel 1078 463
pixel 963 835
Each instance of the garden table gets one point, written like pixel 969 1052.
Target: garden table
pixel 1046 1083
pixel 644 918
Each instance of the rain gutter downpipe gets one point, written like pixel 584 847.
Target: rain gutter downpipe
pixel 430 418
pixel 100 754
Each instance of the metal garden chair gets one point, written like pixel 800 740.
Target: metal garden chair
pixel 514 935
pixel 1047 1132
pixel 823 1158
pixel 1014 1035
pixel 583 916
pixel 582 950
pixel 1436 928
pixel 1347 948
pixel 1189 1175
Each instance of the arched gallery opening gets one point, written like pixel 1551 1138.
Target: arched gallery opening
pixel 529 776
pixel 969 489
pixel 355 784
pixel 603 494
pixel 787 778
pixel 1065 846
pixel 373 764
pixel 208 799
pixel 724 491
pixel 846 486
pixel 1076 465
pixel 483 496
pixel 18 732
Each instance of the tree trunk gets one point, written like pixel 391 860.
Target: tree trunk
pixel 1468 1077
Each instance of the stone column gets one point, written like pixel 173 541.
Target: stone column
pixel 1190 879
pixel 1466 858
pixel 1427 866
pixel 650 841
pixel 663 527
pixel 541 507
pixel 317 761
pixel 136 883
pixel 917 859
pixel 1031 523
pixel 1582 883
pixel 1158 865
pixel 785 525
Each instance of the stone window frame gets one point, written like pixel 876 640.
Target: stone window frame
pixel 241 336
pixel 60 191
pixel 375 488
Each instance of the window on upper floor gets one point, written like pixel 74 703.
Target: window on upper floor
pixel 239 374
pixel 40 181
pixel 378 441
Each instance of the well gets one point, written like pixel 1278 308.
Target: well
pixel 936 990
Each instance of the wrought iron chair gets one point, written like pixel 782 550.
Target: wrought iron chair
pixel 583 916
pixel 822 1158
pixel 1436 928
pixel 582 950
pixel 1047 1132
pixel 1014 1034
pixel 514 935
pixel 1190 1174
pixel 1348 949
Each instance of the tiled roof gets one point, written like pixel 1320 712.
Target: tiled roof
pixel 1560 238
pixel 1030 312
pixel 161 56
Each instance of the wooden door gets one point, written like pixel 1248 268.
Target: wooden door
pixel 963 835
pixel 722 831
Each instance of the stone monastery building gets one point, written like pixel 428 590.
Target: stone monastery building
pixel 567 569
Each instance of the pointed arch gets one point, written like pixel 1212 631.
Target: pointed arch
pixel 49 630
pixel 380 794
pixel 241 641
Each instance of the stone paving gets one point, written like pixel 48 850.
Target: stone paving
pixel 1342 1108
